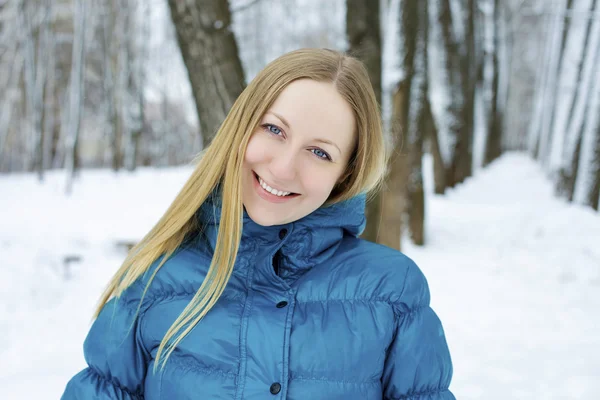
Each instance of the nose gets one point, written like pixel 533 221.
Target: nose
pixel 283 166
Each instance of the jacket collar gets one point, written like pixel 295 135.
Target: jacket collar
pixel 308 241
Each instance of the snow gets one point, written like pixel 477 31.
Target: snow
pixel 514 275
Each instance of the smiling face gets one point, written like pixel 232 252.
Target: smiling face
pixel 298 153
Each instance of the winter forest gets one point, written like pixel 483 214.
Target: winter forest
pixel 491 110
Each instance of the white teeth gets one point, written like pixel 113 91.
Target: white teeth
pixel 271 190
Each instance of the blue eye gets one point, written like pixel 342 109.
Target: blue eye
pixel 273 129
pixel 321 154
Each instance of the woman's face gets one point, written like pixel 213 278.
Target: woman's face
pixel 298 153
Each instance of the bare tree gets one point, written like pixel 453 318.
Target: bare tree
pixel 137 83
pixel 587 184
pixel 576 96
pixel 469 64
pixel 419 123
pixel 560 28
pixel 364 37
pixel 210 53
pixel 35 46
pixel 407 110
pixel 453 117
pixel 110 112
pixel 12 64
pixel 76 90
pixel 493 147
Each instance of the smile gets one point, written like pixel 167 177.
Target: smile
pixel 270 193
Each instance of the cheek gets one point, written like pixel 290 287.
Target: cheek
pixel 255 151
pixel 322 186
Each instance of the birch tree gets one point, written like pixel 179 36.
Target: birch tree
pixel 452 117
pixel 76 90
pixel 137 84
pixel 109 108
pixel 468 67
pixel 580 79
pixel 493 147
pixel 569 76
pixel 36 57
pixel 560 27
pixel 587 184
pixel 11 67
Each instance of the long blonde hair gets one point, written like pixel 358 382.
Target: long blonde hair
pixel 221 164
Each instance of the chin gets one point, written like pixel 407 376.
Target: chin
pixel 264 217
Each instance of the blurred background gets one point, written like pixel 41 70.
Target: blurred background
pixel 491 109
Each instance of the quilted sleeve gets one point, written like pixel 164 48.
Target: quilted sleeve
pixel 418 364
pixel 117 360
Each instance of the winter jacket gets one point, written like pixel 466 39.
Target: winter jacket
pixel 311 312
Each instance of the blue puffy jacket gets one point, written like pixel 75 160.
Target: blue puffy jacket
pixel 311 312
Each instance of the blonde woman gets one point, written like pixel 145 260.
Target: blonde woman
pixel 254 285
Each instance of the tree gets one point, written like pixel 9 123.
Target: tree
pixel 419 123
pixel 10 33
pixel 35 48
pixel 210 54
pixel 493 147
pixel 587 184
pixel 454 107
pixel 408 107
pixel 364 38
pixel 76 91
pixel 577 89
pixel 542 126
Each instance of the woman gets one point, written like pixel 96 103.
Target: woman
pixel 254 285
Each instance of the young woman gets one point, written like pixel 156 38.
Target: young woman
pixel 254 285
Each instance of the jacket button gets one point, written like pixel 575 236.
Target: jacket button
pixel 282 304
pixel 275 388
pixel 282 233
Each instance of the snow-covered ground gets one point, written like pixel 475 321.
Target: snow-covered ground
pixel 514 274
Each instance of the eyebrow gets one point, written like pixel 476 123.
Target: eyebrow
pixel 286 123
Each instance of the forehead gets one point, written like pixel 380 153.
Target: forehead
pixel 316 109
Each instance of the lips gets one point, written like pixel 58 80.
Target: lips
pixel 290 195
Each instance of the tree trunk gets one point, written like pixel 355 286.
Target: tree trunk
pixel 107 82
pixel 559 33
pixel 579 111
pixel 439 170
pixel 419 123
pixel 468 68
pixel 493 147
pixel 50 103
pixel 587 184
pixel 570 74
pixel 364 38
pixel 9 96
pixel 210 54
pixel 394 194
pixel 454 113
pixel 76 91
pixel 593 198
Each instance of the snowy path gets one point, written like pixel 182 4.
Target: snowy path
pixel 514 274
